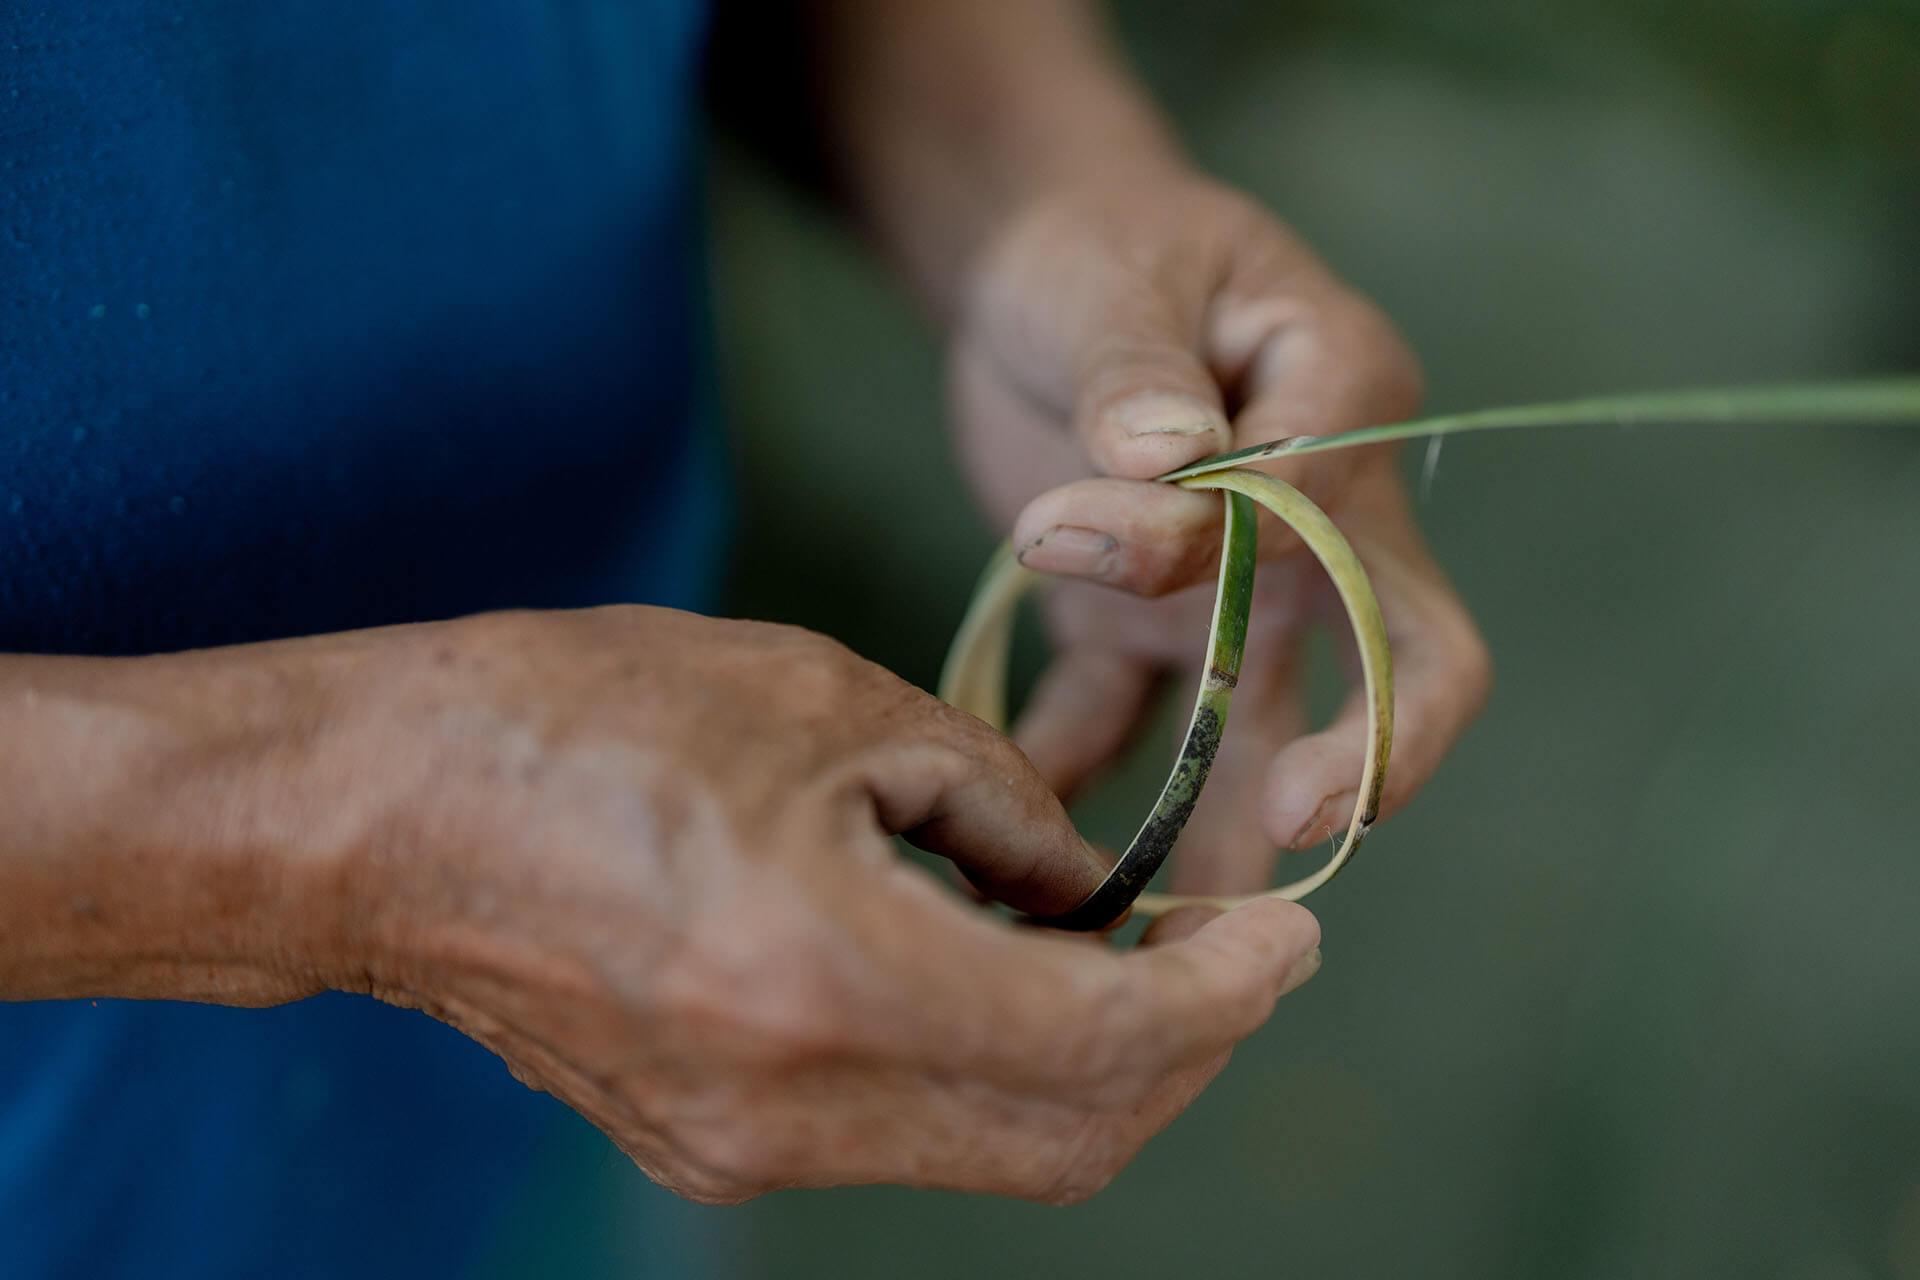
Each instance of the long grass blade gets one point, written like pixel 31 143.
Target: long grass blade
pixel 1877 402
pixel 1350 580
pixel 975 676
pixel 1226 641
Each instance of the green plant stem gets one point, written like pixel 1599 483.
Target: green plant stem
pixel 1876 402
pixel 1226 641
pixel 975 676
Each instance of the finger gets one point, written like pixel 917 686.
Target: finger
pixel 1128 1128
pixel 1145 400
pixel 1142 398
pixel 1118 346
pixel 1442 676
pixel 1177 925
pixel 1154 539
pixel 1017 1063
pixel 1313 362
pixel 1193 998
pixel 1307 362
pixel 957 788
pixel 1038 1013
pixel 1061 1153
pixel 1083 713
pixel 1150 539
pixel 816 1127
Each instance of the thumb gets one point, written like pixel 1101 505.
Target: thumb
pixel 1144 400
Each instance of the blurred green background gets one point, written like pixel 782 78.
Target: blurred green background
pixel 1634 989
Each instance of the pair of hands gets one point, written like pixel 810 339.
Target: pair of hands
pixel 644 856
pixel 699 937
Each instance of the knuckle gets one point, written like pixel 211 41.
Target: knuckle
pixel 739 1162
pixel 682 1171
pixel 1395 380
pixel 1077 1189
pixel 1243 215
pixel 1090 1163
pixel 713 1195
pixel 1403 387
pixel 808 649
pixel 1475 663
pixel 967 749
pixel 819 676
pixel 1465 663
pixel 694 1180
pixel 977 745
pixel 1175 564
pixel 788 636
pixel 1133 359
pixel 952 746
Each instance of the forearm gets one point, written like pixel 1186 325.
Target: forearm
pixel 945 118
pixel 154 842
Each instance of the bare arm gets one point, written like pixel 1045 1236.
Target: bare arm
pixel 643 857
pixel 156 844
pixel 944 120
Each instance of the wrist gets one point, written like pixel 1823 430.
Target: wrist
pixel 165 844
pixel 952 119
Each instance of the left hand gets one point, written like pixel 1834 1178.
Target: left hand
pixel 1113 332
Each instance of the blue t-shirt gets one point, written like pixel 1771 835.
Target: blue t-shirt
pixel 317 316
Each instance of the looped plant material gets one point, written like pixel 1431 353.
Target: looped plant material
pixel 975 676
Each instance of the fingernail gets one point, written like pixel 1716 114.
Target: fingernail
pixel 1071 550
pixel 1303 968
pixel 1161 414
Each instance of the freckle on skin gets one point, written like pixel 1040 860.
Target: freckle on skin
pixel 86 908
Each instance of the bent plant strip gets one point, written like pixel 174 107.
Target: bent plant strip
pixel 975 676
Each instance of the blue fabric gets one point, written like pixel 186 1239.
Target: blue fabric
pixel 317 316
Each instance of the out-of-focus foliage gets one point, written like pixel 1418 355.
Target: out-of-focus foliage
pixel 1822 74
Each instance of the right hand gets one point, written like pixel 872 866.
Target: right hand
pixel 644 857
pixel 1108 329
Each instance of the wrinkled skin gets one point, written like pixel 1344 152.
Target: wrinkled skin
pixel 1113 332
pixel 645 857
pixel 699 936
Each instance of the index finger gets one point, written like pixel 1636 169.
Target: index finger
pixel 1305 365
pixel 955 786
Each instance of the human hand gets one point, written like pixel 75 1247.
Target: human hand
pixel 1115 330
pixel 644 857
